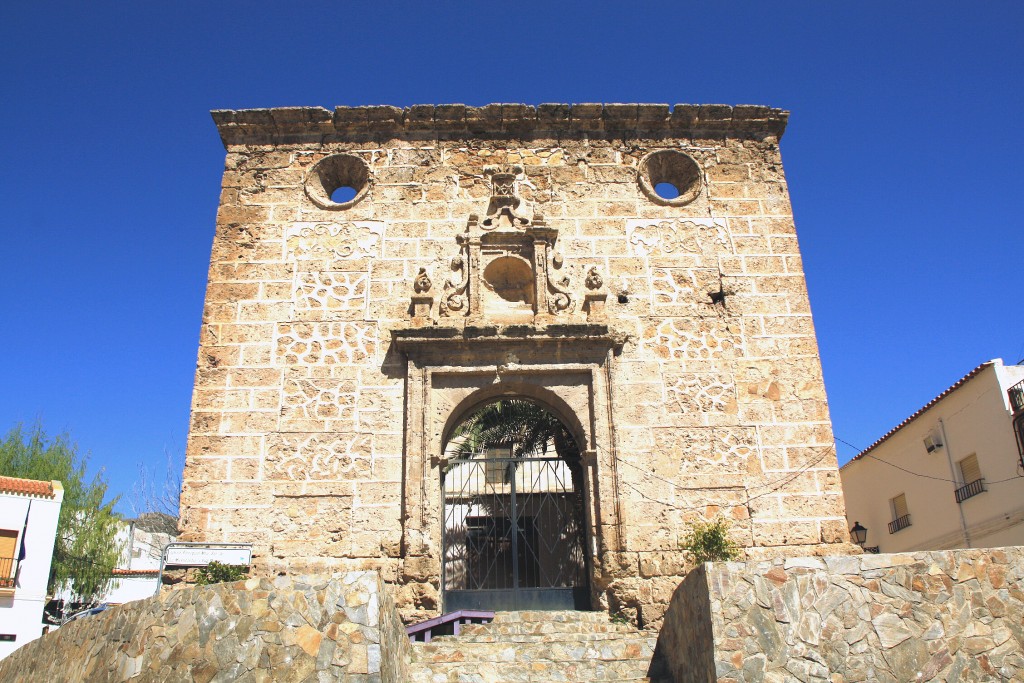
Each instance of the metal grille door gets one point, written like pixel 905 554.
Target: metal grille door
pixel 513 535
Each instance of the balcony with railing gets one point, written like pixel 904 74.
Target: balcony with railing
pixel 1016 393
pixel 899 523
pixel 970 490
pixel 8 570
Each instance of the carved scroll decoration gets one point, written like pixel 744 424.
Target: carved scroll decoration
pixel 453 301
pixel 561 298
pixel 510 228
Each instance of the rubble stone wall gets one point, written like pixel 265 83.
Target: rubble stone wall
pixel 343 628
pixel 315 437
pixel 953 615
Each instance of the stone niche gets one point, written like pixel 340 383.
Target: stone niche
pixel 495 252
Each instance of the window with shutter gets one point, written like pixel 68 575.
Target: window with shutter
pixel 969 469
pixel 899 506
pixel 8 555
pixel 8 543
pixel 900 515
pixel 971 483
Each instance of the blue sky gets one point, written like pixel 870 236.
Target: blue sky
pixel 903 157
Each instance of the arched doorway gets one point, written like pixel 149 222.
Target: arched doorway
pixel 513 511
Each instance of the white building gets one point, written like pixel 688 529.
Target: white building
pixel 29 511
pixel 138 572
pixel 950 475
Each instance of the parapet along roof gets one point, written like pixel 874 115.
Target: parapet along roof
pixel 956 385
pixel 28 487
pixel 298 125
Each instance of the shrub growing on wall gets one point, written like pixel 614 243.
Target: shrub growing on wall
pixel 710 542
pixel 215 572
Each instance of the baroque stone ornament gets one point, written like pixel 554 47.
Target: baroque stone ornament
pixel 422 283
pixel 560 299
pixel 505 208
pixel 422 299
pixel 506 268
pixel 594 279
pixel 453 302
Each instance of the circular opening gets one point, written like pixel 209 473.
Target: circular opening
pixel 670 177
pixel 345 193
pixel 338 181
pixel 666 190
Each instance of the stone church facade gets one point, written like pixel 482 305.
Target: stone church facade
pixel 507 251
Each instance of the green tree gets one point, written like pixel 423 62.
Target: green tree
pixel 86 548
pixel 710 542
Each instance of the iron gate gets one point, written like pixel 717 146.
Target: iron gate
pixel 513 535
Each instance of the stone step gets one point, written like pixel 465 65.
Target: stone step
pixel 568 636
pixel 533 672
pixel 562 650
pixel 549 616
pixel 540 647
pixel 539 628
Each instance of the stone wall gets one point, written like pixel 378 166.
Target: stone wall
pixel 927 616
pixel 673 335
pixel 343 628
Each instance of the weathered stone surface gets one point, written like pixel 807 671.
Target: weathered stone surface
pixel 281 630
pixel 830 620
pixel 539 646
pixel 507 250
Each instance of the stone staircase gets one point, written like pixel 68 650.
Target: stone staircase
pixel 538 646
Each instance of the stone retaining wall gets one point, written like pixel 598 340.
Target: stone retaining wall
pixel 927 616
pixel 341 628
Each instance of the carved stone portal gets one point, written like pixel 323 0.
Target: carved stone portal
pixel 507 270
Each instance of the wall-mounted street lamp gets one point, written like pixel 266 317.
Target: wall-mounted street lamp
pixel 859 534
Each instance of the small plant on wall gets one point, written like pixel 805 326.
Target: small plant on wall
pixel 710 542
pixel 215 572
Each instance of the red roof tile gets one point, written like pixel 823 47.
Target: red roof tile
pixel 27 486
pixel 135 572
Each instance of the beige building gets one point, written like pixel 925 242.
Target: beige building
pixel 955 478
pixel 379 274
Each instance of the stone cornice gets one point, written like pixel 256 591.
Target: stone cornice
pixel 305 125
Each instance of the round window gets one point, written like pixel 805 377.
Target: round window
pixel 338 181
pixel 669 177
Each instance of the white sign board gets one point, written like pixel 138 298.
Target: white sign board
pixel 200 556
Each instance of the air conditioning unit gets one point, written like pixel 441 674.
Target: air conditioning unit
pixel 932 442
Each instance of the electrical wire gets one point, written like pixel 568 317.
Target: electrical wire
pixel 772 486
pixel 919 474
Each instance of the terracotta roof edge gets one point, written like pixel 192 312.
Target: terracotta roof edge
pixel 920 411
pixel 19 486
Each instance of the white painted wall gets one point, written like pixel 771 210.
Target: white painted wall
pixel 142 552
pixel 977 420
pixel 22 613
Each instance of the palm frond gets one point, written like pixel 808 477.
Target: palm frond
pixel 521 424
